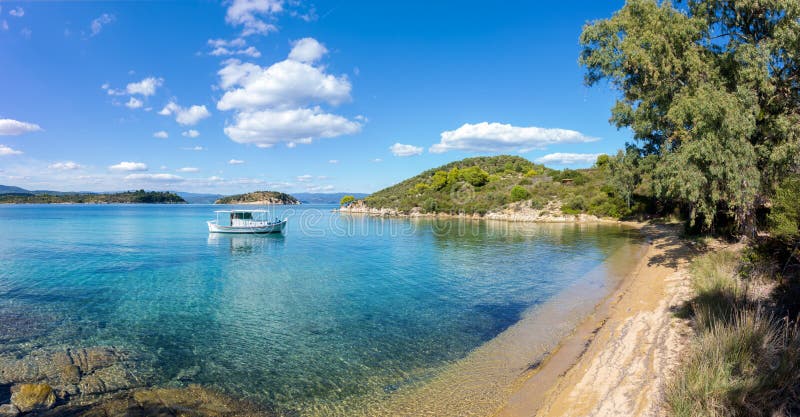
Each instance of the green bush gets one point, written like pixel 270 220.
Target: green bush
pixel 575 205
pixel 538 203
pixel 519 193
pixel 746 367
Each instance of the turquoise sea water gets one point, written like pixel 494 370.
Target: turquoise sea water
pixel 336 308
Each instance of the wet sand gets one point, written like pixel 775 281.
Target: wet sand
pixel 618 360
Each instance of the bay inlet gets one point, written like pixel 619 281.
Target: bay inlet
pixel 340 315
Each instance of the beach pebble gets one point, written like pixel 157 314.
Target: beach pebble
pixel 30 397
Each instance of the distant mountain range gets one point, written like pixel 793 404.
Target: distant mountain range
pixel 197 198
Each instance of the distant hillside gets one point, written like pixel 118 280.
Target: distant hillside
pixel 325 198
pixel 9 189
pixel 140 196
pixel 259 197
pixel 196 198
pixel 489 184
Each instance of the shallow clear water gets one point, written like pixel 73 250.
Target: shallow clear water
pixel 337 308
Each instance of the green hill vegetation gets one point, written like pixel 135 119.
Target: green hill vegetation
pixel 128 197
pixel 483 184
pixel 259 197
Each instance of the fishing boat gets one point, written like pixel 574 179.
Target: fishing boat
pixel 245 221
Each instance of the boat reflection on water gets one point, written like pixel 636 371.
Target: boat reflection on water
pixel 246 244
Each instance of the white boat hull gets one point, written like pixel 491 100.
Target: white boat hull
pixel 271 227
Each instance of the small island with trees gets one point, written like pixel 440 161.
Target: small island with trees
pixel 127 197
pixel 259 197
pixel 482 185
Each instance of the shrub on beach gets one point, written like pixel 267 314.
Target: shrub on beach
pixel 742 361
pixel 747 367
pixel 719 290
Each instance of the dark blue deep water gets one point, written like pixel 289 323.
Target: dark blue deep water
pixel 337 307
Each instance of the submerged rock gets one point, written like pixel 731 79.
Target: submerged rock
pixel 193 400
pixel 30 397
pixel 70 375
pixel 9 410
pixel 84 371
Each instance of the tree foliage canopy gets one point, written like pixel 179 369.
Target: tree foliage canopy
pixel 713 89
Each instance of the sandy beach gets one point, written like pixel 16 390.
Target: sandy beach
pixel 617 361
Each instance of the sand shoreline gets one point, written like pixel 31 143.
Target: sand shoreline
pixel 616 361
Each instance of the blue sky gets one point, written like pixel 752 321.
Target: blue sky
pixel 289 95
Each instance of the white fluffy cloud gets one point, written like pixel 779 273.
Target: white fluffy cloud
pixel 307 50
pixel 305 178
pixel 17 12
pixel 280 103
pixel 236 72
pixel 185 116
pixel 5 150
pixel 97 24
pixel 250 14
pixel 128 167
pixel 65 166
pixel 11 127
pixel 399 149
pixel 191 133
pixel 235 162
pixel 269 127
pixel 188 169
pixel 287 83
pixel 333 161
pixel 146 87
pixel 161 134
pixel 153 177
pixel 498 137
pixel 559 158
pixel 134 103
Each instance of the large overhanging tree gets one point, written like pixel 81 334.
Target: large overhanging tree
pixel 712 88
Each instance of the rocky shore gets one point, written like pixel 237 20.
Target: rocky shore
pixel 100 381
pixel 514 212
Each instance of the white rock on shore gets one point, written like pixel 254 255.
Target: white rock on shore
pixel 514 212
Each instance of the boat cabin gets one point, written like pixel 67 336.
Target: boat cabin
pixel 243 218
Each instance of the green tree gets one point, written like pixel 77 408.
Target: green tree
pixel 784 217
pixel 453 176
pixel 713 91
pixel 624 174
pixel 602 161
pixel 439 180
pixel 519 193
pixel 475 176
pixel 346 200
